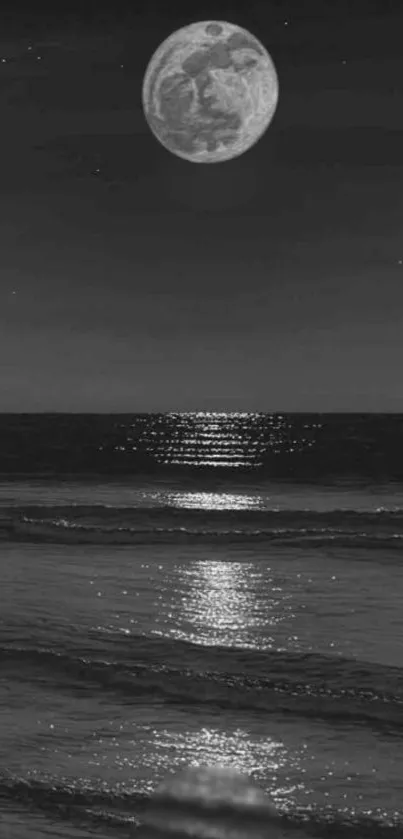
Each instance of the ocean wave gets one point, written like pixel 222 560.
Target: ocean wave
pixel 74 800
pixel 61 532
pixel 85 802
pixel 307 685
pixel 134 512
pixel 97 524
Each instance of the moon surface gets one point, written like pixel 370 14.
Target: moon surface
pixel 226 64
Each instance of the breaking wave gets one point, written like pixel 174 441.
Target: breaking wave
pixel 98 524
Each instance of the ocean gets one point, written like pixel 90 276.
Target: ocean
pixel 189 589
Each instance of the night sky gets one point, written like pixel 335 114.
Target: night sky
pixel 132 280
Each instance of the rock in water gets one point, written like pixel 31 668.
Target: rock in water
pixel 210 803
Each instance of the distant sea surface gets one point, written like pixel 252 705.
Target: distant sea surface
pixel 187 589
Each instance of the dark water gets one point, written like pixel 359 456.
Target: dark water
pixel 161 606
pixel 308 447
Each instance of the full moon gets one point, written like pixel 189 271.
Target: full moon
pixel 210 92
